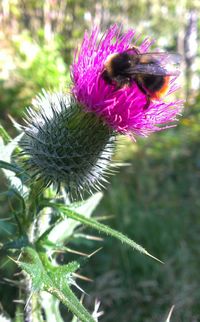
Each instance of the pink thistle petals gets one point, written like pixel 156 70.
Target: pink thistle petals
pixel 121 108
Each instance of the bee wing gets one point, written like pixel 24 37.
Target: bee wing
pixel 162 57
pixel 163 64
pixel 152 69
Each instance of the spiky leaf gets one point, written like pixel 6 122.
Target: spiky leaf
pixel 61 231
pixel 53 279
pixel 90 222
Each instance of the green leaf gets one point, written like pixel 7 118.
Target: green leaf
pixel 53 279
pixel 4 134
pixel 87 206
pixel 15 244
pixel 11 167
pixel 6 152
pixel 63 230
pixel 19 214
pixel 66 211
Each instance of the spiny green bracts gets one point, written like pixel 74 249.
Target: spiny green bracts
pixel 66 146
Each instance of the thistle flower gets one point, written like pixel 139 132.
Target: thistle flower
pixel 66 146
pixel 121 108
pixel 69 140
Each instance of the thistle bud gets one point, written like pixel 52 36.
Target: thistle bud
pixel 65 146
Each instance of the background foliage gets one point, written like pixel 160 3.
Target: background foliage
pixel 154 200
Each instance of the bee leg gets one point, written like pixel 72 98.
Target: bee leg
pixel 147 102
pixel 106 77
pixel 143 90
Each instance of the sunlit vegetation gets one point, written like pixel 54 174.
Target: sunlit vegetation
pixel 155 198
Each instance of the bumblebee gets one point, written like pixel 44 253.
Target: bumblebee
pixel 150 71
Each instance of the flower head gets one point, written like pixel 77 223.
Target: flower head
pixel 65 146
pixel 121 108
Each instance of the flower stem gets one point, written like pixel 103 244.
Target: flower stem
pixel 32 312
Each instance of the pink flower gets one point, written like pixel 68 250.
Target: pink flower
pixel 121 108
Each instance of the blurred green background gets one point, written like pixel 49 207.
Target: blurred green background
pixel 155 199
